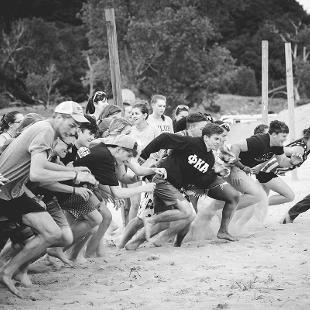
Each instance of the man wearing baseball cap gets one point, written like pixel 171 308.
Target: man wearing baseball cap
pixel 26 158
pixel 107 163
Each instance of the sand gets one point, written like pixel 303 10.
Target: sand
pixel 268 268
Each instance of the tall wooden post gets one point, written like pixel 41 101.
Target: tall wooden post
pixel 113 56
pixel 290 96
pixel 265 82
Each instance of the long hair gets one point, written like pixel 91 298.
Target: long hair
pixel 7 119
pixel 97 96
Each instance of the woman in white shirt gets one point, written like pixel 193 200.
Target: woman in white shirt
pixel 157 118
pixel 143 132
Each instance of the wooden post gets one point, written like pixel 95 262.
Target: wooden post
pixel 290 96
pixel 113 56
pixel 265 82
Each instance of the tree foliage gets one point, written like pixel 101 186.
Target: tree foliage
pixel 185 49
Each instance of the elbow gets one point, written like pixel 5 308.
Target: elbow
pixel 34 177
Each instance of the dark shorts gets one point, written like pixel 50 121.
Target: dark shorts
pixel 15 231
pixel 54 209
pixel 263 177
pixel 14 209
pixel 165 195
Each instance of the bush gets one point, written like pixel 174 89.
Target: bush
pixel 241 81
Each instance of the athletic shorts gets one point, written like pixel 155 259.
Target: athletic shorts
pixel 264 177
pixel 78 207
pixel 165 195
pixel 54 209
pixel 15 208
pixel 16 232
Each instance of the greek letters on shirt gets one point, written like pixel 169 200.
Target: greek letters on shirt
pixel 164 128
pixel 264 157
pixel 198 163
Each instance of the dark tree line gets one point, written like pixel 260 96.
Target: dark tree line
pixel 186 49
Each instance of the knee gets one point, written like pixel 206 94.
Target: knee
pixel 234 199
pixel 189 212
pixel 67 237
pixel 95 219
pixel 52 236
pixel 191 217
pixel 290 196
pixel 106 215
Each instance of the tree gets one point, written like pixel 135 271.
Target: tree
pixel 165 47
pixel 43 86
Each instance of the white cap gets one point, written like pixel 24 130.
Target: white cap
pixel 71 108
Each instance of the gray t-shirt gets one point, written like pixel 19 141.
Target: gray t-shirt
pixel 15 160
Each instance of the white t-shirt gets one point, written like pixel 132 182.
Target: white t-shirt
pixel 164 124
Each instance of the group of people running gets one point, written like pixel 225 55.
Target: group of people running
pixel 58 177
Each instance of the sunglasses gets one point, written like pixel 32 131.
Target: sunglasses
pixel 69 145
pixel 226 126
pixel 100 96
pixel 181 107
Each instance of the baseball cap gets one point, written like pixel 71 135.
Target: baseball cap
pixel 125 142
pixel 71 108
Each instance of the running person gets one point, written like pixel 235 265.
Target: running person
pixel 189 167
pixel 257 150
pixel 27 158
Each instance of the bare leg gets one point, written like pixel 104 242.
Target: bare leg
pixel 183 211
pixel 48 233
pixel 285 193
pixel 134 202
pixel 93 244
pixel 230 196
pixel 66 240
pixel 252 191
pixel 139 238
pixel 132 227
pixel 81 227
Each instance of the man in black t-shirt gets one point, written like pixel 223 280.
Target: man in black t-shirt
pixel 102 163
pixel 252 152
pixel 85 135
pixel 189 167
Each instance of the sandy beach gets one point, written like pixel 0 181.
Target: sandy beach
pixel 268 268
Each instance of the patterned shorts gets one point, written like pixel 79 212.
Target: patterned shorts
pixel 78 207
pixel 146 208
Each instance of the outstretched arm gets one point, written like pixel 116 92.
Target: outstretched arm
pixel 164 141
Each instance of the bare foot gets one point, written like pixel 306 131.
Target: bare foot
pixel 23 278
pixel 80 260
pixel 226 236
pixel 100 252
pixel 287 219
pixel 148 228
pixel 160 241
pixel 132 245
pixel 58 253
pixel 9 283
